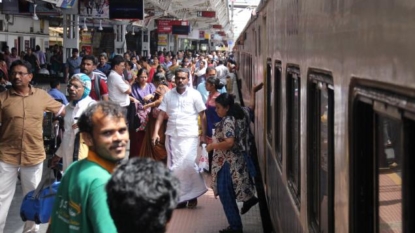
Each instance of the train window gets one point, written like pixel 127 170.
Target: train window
pixel 320 153
pixel 293 132
pixel 277 111
pixel 382 181
pixel 269 102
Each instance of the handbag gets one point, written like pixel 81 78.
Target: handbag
pixel 204 159
pixel 132 117
pixel 37 205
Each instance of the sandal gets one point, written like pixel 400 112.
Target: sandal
pixel 230 230
pixel 191 204
pixel 248 204
pixel 181 205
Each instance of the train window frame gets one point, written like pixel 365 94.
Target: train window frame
pixel 255 41
pixel 317 81
pixel 293 160
pixel 369 101
pixel 269 91
pixel 258 41
pixel 278 111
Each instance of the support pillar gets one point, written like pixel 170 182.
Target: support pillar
pixel 70 34
pixel 120 43
pixel 145 41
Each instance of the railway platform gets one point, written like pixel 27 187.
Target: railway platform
pixel 207 217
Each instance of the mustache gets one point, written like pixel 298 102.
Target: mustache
pixel 118 144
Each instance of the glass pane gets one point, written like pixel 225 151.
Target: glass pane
pixel 295 132
pixel 390 175
pixel 277 112
pixel 269 105
pixel 324 153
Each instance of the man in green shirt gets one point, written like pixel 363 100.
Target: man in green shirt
pixel 81 202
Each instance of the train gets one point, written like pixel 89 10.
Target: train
pixel 335 122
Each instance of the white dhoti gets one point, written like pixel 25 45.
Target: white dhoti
pixel 181 159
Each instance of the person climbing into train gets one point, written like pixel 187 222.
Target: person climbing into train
pixel 231 172
pixel 212 85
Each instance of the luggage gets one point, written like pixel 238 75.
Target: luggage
pixel 37 205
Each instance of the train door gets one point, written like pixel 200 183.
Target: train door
pixel 320 156
pixel 382 147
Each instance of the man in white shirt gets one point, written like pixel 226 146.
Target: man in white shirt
pixel 183 105
pixel 118 88
pixel 221 70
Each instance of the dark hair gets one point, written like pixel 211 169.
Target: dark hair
pixel 182 70
pixel 130 63
pixel 141 71
pixel 21 63
pixel 108 108
pixel 160 77
pixel 160 67
pixel 75 50
pixel 4 48
pixel 228 100
pixel 90 58
pixel 118 59
pixel 215 81
pixel 54 83
pixel 169 75
pixel 144 59
pixel 142 195
pixel 209 68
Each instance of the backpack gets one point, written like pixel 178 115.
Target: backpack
pixel 97 81
pixel 96 86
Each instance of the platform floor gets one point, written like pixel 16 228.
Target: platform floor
pixel 208 217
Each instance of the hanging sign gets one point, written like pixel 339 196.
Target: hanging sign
pixel 206 14
pixel 165 26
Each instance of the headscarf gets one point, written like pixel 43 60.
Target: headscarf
pixel 85 80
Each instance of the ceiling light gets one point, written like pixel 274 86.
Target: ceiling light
pixel 100 25
pixel 34 13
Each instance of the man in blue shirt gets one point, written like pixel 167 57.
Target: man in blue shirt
pixel 73 64
pixel 103 66
pixel 56 93
pixel 210 71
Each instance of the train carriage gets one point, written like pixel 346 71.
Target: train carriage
pixel 335 122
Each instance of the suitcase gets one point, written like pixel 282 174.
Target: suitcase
pixel 37 205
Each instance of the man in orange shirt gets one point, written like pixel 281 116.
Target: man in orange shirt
pixel 21 140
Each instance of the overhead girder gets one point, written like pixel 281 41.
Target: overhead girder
pixel 187 10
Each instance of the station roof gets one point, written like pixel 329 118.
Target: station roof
pixel 196 12
pixel 193 11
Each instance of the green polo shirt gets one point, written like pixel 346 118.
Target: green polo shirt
pixel 81 202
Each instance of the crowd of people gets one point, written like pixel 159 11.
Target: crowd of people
pixel 163 107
